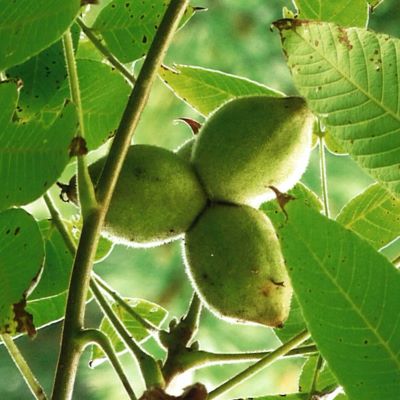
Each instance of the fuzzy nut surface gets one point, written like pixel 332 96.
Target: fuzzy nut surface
pixel 234 261
pixel 251 143
pixel 156 199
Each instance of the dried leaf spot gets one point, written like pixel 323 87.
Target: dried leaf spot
pixel 344 38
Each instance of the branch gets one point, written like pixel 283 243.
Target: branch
pixel 258 366
pixel 23 367
pixel 148 366
pixel 81 272
pixel 106 53
pixel 78 148
pixel 119 300
pixel 97 337
pixel 324 180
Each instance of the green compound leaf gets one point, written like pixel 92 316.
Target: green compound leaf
pixel 57 268
pixel 326 381
pixel 47 311
pixel 27 27
pixel 128 27
pixel 104 93
pixel 374 215
pixel 295 322
pixel 32 156
pixel 348 293
pixel 206 89
pixel 41 76
pixel 350 80
pixel 341 12
pixel 21 260
pixel 149 311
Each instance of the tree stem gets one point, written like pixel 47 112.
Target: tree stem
pixel 100 339
pixel 70 347
pixel 258 366
pixel 23 367
pixel 106 53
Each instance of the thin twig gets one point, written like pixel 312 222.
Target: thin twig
pixel 258 366
pixel 97 337
pixel 23 367
pixel 106 53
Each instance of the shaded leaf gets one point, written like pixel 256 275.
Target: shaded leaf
pixel 128 27
pixel 326 381
pixel 104 93
pixel 28 27
pixel 32 156
pixel 374 214
pixel 21 260
pixel 348 293
pixel 342 12
pixel 149 311
pixel 207 89
pixel 350 79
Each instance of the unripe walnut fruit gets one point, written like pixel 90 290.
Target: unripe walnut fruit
pixel 156 199
pixel 234 260
pixel 251 143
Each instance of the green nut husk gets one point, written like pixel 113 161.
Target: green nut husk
pixel 234 261
pixel 157 197
pixel 251 143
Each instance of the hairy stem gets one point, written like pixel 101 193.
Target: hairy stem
pixel 70 347
pixel 97 337
pixel 148 366
pixel 106 53
pixel 258 366
pixel 23 367
pixel 324 180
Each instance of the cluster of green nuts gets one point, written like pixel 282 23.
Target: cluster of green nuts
pixel 208 192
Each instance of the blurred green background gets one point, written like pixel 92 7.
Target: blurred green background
pixel 235 37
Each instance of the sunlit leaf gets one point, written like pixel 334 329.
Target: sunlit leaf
pixel 374 214
pixel 350 79
pixel 32 156
pixel 128 27
pixel 206 89
pixel 21 260
pixel 293 396
pixel 348 293
pixel 295 322
pixel 57 268
pixel 104 93
pixel 41 77
pixel 47 311
pixel 149 311
pixel 27 27
pixel 342 12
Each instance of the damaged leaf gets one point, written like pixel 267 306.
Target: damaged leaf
pixel 21 260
